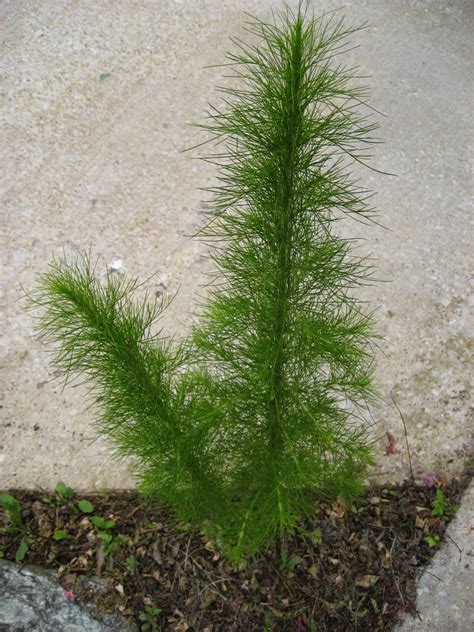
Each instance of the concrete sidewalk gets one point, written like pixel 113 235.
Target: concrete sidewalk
pixel 98 101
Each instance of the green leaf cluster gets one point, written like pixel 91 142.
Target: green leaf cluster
pixel 440 506
pixel 263 405
pixel 12 510
pixel 15 524
pixel 64 492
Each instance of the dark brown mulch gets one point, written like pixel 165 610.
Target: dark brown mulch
pixel 354 570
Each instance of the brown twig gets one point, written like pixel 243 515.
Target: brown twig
pixel 187 553
pixel 395 578
pixel 433 575
pixel 455 544
pixel 133 512
pixel 406 436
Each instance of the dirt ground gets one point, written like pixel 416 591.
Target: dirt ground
pixel 98 101
pixel 342 570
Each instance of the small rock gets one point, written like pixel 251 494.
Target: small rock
pixel 32 598
pixel 116 265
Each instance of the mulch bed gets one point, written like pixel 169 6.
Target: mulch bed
pixel 355 569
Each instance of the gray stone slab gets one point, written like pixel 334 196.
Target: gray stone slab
pixel 31 598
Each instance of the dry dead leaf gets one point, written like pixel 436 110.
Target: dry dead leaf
pixel 208 599
pixel 182 625
pixel 82 561
pixel 46 534
pixel 155 553
pixel 100 559
pixel 419 523
pixel 366 581
pixel 175 549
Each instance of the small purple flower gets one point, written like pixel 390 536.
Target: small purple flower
pixel 69 595
pixel 430 480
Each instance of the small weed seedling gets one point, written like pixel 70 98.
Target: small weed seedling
pixel 443 510
pixel 109 542
pixel 432 540
pixel 131 563
pixel 64 492
pixel 12 510
pixel 85 506
pixel 15 524
pixel 64 496
pixel 149 618
pixel 101 523
pixel 61 534
pixel 288 564
pixel 440 507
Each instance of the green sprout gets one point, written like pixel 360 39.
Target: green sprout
pixel 64 492
pixel 440 506
pixel 149 618
pixel 15 524
pixel 12 510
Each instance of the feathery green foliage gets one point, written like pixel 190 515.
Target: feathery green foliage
pixel 262 407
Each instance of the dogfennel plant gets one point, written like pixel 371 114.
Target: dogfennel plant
pixel 261 408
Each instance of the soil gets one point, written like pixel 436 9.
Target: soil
pixel 348 569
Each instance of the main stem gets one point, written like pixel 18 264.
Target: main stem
pixel 291 127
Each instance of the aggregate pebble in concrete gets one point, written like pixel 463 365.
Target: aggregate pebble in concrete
pixel 99 96
pixel 31 598
pixel 445 592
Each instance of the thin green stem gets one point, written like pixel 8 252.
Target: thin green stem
pixel 291 125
